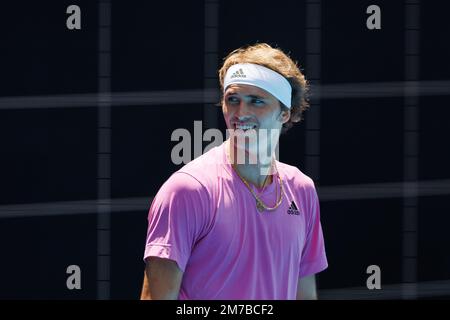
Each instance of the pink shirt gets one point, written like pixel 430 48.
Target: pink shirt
pixel 206 220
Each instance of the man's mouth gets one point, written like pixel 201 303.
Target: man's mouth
pixel 244 127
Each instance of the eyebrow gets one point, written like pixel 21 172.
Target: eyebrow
pixel 252 96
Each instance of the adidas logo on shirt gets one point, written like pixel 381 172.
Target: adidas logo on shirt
pixel 293 209
pixel 238 74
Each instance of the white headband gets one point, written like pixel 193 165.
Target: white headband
pixel 261 77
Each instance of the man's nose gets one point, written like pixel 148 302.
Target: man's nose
pixel 243 109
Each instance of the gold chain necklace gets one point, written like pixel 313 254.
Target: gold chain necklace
pixel 260 205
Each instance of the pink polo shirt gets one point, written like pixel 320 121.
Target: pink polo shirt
pixel 205 219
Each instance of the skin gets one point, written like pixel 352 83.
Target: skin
pixel 249 105
pixel 242 104
pixel 162 279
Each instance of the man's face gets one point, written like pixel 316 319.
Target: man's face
pixel 249 107
pixel 254 118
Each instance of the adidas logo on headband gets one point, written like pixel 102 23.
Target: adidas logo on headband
pixel 261 77
pixel 238 74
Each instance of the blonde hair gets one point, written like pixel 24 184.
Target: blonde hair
pixel 275 59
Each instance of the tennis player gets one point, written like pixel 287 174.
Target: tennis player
pixel 236 223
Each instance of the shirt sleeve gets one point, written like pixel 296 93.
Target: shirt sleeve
pixel 177 219
pixel 313 258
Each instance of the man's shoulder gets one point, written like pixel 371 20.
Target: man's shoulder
pixel 206 167
pixel 295 176
pixel 196 178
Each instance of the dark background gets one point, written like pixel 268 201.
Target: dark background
pixel 50 154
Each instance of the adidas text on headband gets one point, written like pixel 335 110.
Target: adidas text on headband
pixel 261 77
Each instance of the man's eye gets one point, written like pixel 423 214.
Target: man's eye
pixel 258 102
pixel 233 100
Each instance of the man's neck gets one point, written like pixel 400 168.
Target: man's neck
pixel 255 173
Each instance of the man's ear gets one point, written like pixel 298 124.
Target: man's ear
pixel 284 115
